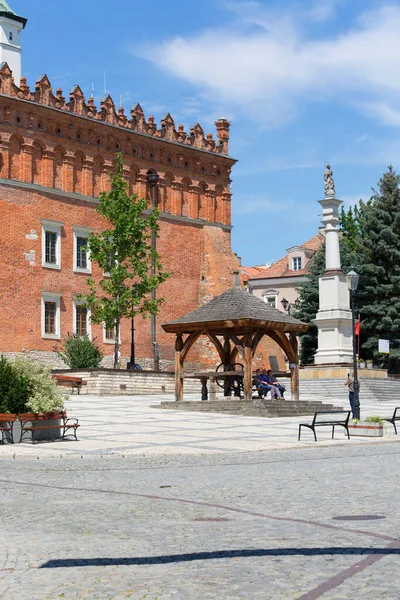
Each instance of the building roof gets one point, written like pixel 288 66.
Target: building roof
pixel 7 11
pixel 281 267
pixel 235 309
pixel 250 272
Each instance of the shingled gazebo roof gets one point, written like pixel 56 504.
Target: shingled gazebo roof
pixel 236 310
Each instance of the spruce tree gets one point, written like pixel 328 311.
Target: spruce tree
pixel 378 257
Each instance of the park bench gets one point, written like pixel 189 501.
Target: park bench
pixel 75 383
pixel 393 419
pixel 6 427
pixel 31 423
pixel 329 418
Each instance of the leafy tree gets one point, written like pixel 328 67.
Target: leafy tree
pixel 125 253
pixel 80 352
pixel 378 254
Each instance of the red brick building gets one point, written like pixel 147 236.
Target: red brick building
pixel 56 156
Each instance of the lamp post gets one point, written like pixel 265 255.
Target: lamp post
pixel 286 305
pixel 132 361
pixel 152 178
pixel 352 283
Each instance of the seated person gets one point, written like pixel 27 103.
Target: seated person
pixel 272 380
pixel 262 387
pixel 275 391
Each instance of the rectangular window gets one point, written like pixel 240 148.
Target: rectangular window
pixel 82 262
pixel 271 301
pixel 81 319
pixel 51 247
pixel 296 261
pixel 81 255
pixel 50 312
pixel 51 244
pixel 51 315
pixel 110 333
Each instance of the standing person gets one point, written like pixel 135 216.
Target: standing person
pixel 350 384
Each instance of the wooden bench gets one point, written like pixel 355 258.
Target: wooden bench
pixel 329 418
pixel 31 423
pixel 392 420
pixel 6 427
pixel 75 383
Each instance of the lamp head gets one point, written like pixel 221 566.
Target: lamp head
pixel 352 280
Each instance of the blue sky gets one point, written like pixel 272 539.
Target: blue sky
pixel 303 82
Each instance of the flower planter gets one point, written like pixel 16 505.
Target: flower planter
pixel 54 433
pixel 366 429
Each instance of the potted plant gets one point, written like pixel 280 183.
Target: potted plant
pixel 369 427
pixel 361 363
pixel 44 398
pixel 369 364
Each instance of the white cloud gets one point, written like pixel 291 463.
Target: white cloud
pixel 266 71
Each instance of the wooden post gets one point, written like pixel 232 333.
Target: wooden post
pixel 294 369
pixel 178 368
pixel 248 359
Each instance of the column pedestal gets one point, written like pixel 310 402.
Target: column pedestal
pixel 334 321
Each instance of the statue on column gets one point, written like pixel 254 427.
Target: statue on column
pixel 329 183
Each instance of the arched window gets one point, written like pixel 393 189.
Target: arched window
pixel 15 157
pixel 37 163
pixel 58 167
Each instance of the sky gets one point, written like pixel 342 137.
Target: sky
pixel 303 82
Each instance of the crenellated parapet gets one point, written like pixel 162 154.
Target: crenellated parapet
pixel 107 113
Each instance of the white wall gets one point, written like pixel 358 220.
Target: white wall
pixel 10 50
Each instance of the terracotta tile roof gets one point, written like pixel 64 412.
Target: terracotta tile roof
pixel 314 243
pixel 247 273
pixel 281 267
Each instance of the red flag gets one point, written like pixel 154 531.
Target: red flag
pixel 357 326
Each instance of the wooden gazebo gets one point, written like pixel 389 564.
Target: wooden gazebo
pixel 235 322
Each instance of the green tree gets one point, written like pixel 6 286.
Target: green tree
pixel 124 251
pixel 378 257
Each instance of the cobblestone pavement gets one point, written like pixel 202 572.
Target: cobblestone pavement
pixel 254 525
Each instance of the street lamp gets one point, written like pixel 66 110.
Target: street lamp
pixel 132 361
pixel 286 305
pixel 352 283
pixel 152 178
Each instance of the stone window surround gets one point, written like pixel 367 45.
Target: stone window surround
pixel 297 263
pixel 80 231
pixel 269 294
pixel 110 341
pixel 52 227
pixel 51 297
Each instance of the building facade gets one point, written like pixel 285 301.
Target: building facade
pixel 56 157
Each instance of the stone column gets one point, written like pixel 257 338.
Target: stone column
pixel 178 368
pixel 334 316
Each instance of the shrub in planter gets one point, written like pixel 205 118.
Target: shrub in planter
pixel 80 352
pixel 370 427
pixel 15 388
pixel 44 395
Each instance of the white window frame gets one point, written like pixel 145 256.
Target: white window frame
pixel 82 232
pixel 77 302
pixel 51 297
pixel 295 259
pixel 51 227
pixel 270 294
pixel 106 340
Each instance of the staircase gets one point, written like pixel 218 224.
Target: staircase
pixel 258 408
pixel 373 390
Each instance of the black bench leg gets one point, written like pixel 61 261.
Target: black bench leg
pixel 298 439
pixel 395 428
pixel 347 431
pixel 315 435
pixel 333 431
